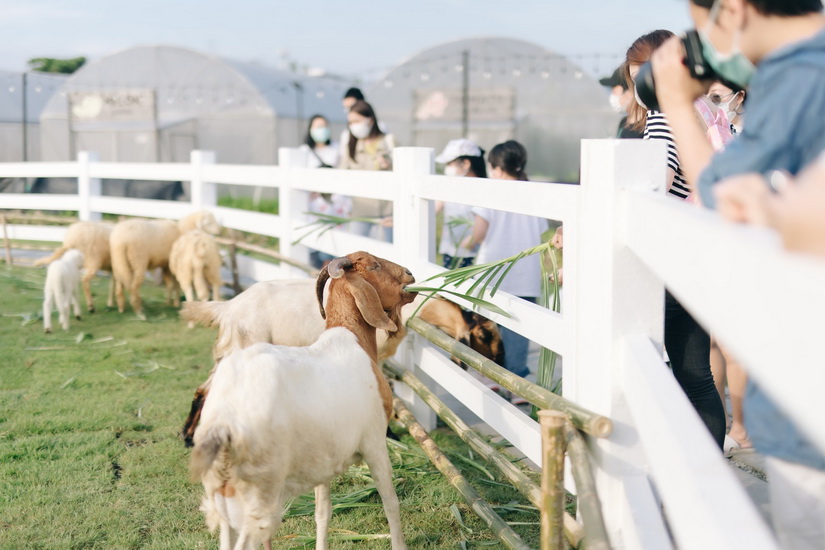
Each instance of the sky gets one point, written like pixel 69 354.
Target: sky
pixel 358 39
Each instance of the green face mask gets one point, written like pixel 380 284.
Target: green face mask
pixel 734 66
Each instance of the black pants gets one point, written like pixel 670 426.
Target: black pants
pixel 688 346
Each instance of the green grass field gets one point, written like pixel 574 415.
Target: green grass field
pixel 90 457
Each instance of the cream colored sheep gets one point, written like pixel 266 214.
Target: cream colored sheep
pixel 137 245
pixel 196 263
pixel 92 240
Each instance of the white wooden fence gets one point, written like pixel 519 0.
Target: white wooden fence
pixel 624 240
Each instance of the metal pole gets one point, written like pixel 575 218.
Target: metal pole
pixel 465 93
pixel 25 118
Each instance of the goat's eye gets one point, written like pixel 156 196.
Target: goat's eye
pixel 374 267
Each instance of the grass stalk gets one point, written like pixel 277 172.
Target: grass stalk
pixel 585 420
pixel 483 510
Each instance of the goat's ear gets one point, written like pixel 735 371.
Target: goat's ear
pixel 366 298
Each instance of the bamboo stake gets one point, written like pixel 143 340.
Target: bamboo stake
pixel 498 526
pixel 552 479
pixel 585 420
pixel 573 531
pixel 6 241
pixel 588 502
pixel 266 252
pixel 60 220
pixel 233 264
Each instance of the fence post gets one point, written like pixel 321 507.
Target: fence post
pixel 291 205
pixel 414 243
pixel 202 194
pixel 87 186
pixel 616 296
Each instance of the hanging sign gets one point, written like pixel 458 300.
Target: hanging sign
pixel 113 106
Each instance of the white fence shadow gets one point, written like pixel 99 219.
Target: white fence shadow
pixel 624 241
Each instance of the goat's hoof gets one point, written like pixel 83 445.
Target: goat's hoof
pixel 141 316
pixel 48 331
pixel 77 317
pixel 92 309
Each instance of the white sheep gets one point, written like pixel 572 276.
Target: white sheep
pixel 61 289
pixel 92 239
pixel 283 312
pixel 137 245
pixel 282 420
pixel 195 260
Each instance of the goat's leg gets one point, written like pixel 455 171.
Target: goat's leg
pixel 87 289
pixel 64 304
pixel 323 513
pixel 378 461
pixel 134 292
pixel 172 288
pixel 110 301
pixel 76 303
pixel 262 518
pixel 120 295
pixel 201 286
pixel 47 313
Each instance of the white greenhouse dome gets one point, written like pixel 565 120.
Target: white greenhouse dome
pixel 157 103
pixel 514 90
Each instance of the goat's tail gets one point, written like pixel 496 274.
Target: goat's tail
pixel 206 314
pixel 206 450
pixel 56 255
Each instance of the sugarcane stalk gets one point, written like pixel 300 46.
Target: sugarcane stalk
pixel 585 420
pixel 267 252
pixel 552 479
pixel 588 502
pixel 233 265
pixel 483 510
pixel 573 531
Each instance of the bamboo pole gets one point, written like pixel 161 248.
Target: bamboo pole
pixel 6 241
pixel 552 479
pixel 585 420
pixel 588 502
pixel 573 531
pixel 60 220
pixel 498 526
pixel 233 264
pixel 266 252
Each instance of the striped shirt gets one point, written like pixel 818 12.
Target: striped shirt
pixel 656 128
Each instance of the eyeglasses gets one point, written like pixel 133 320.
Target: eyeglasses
pixel 716 99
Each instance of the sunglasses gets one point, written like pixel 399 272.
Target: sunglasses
pixel 716 99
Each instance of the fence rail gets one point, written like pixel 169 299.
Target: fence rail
pixel 624 242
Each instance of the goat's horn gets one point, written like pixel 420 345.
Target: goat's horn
pixel 336 267
pixel 323 276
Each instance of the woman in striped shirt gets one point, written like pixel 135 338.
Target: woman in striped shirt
pixel 686 342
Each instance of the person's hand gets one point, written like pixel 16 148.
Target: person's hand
pixel 386 222
pixel 674 85
pixel 745 198
pixel 467 243
pixel 561 277
pixel 558 238
pixel 797 211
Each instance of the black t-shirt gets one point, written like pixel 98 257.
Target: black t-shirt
pixel 626 133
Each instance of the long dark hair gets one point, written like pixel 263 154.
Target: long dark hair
pixel 365 110
pixel 477 164
pixel 511 157
pixel 638 53
pixel 311 142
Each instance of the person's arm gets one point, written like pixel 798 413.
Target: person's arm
pixel 480 226
pixel 676 92
pixel 439 206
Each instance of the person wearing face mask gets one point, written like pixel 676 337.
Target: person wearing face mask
pixel 775 49
pixel 322 152
pixel 620 97
pixel 503 234
pixel 729 102
pixel 464 159
pixel 368 148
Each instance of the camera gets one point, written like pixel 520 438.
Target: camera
pixel 696 64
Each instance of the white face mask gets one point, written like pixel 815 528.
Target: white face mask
pixel 616 104
pixel 453 171
pixel 360 130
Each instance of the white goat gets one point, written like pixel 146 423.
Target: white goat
pixel 62 289
pixel 282 420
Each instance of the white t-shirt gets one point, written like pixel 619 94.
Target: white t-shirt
pixel 452 235
pixel 507 235
pixel 328 154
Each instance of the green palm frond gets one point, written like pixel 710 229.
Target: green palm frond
pixel 327 222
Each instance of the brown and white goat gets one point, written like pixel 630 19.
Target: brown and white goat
pixel 281 420
pixel 283 312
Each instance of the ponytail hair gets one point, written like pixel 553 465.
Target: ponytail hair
pixel 511 157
